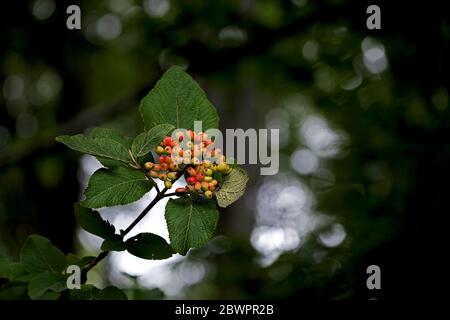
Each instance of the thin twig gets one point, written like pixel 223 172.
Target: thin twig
pixel 160 195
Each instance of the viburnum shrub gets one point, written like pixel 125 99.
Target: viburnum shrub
pixel 167 150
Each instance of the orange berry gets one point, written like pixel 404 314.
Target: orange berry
pixel 205 186
pixel 191 171
pixel 154 174
pixel 180 190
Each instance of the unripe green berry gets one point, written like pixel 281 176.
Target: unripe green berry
pixel 168 184
pixel 208 172
pixel 222 167
pixel 208 179
pixel 172 175
pixel 206 163
pixel 208 194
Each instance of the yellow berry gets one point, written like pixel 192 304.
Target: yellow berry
pixel 148 166
pixel 159 150
pixel 208 178
pixel 172 175
pixel 163 177
pixel 208 172
pixel 222 167
pixel 205 186
pixel 208 194
pixel 206 163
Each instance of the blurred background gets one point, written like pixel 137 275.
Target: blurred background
pixel 363 119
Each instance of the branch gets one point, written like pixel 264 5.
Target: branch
pixel 160 195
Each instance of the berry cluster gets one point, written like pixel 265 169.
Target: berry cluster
pixel 202 164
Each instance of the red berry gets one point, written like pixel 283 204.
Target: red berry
pixel 164 166
pixel 191 180
pixel 162 159
pixel 167 141
pixel 200 176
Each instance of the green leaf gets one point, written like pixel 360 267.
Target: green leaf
pixel 92 222
pixel 147 141
pixel 109 293
pixel 98 147
pixel 117 186
pixel 149 246
pixel 75 260
pixel 84 293
pixel 107 133
pixel 114 243
pixel 190 224
pixel 14 291
pixel 11 270
pixel 233 187
pixel 49 295
pixel 39 255
pixel 89 292
pixel 45 281
pixel 177 99
pixel 25 278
